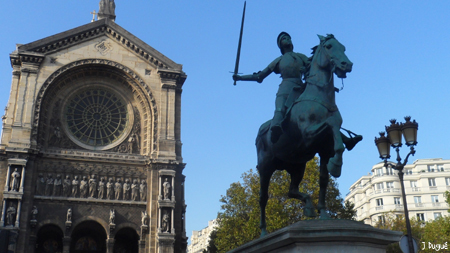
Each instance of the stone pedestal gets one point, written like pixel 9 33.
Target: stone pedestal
pixel 333 236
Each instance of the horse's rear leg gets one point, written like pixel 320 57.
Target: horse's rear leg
pixel 323 183
pixel 264 179
pixel 296 177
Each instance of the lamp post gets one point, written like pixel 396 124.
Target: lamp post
pixel 394 139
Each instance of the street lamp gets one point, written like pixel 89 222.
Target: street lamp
pixel 394 139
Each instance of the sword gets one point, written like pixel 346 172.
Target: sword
pixel 236 67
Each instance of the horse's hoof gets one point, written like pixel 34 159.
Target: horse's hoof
pixel 263 232
pixel 334 168
pixel 309 212
pixel 324 215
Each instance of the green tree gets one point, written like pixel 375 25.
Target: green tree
pixel 240 213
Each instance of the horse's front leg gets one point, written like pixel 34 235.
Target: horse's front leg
pixel 296 177
pixel 323 183
pixel 264 179
pixel 334 164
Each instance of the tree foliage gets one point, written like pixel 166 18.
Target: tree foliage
pixel 240 213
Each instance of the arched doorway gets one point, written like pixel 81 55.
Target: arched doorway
pixel 126 241
pixel 88 237
pixel 49 239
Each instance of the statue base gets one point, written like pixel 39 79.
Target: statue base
pixel 68 225
pixel 334 236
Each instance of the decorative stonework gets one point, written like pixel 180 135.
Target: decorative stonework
pixel 135 83
pixel 103 47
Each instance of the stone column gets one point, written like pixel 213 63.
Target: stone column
pixel 66 244
pixel 110 245
pixel 22 179
pixel 2 221
pixel 173 189
pixel 141 246
pixel 8 177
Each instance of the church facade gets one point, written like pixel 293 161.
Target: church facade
pixel 90 153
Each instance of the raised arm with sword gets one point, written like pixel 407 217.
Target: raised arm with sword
pixel 236 67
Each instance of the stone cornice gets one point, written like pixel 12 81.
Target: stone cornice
pixel 96 29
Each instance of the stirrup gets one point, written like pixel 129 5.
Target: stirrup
pixel 352 140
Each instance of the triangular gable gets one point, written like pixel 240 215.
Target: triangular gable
pixel 96 29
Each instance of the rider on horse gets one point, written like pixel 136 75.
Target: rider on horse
pixel 292 66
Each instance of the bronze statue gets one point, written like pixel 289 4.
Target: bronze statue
pixel 306 121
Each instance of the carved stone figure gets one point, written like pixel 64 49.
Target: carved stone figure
pixel 107 9
pixel 57 188
pixel 83 187
pixel 67 186
pixel 10 215
pixel 34 213
pixel 135 190
pixel 69 215
pixel 143 190
pixel 112 216
pixel 165 224
pixel 144 218
pixel 118 189
pixel 101 188
pixel 126 190
pixel 110 189
pixel 75 184
pixel 15 181
pixel 49 185
pixel 166 188
pixel 40 185
pixel 92 186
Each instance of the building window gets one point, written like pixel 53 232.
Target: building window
pixel 381 219
pixel 397 200
pixel 417 199
pixel 390 184
pixel 379 186
pixel 431 168
pixel 408 172
pixel 440 167
pixel 379 172
pixel 447 180
pixel 437 215
pixel 434 198
pixel 413 184
pixel 420 216
pixel 431 182
pixel 379 202
pixel 389 171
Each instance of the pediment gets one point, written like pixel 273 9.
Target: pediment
pixel 103 27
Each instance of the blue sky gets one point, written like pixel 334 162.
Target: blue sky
pixel 399 49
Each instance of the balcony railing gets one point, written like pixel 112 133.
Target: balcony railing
pixel 433 188
pixel 379 208
pixel 436 203
pixel 419 204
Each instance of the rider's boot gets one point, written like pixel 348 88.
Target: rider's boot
pixel 351 141
pixel 275 127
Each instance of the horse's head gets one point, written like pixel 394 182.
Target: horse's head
pixel 331 54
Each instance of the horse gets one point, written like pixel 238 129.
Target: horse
pixel 311 126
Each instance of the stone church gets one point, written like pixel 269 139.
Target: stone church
pixel 90 153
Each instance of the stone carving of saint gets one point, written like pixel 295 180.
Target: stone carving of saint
pixel 143 190
pixel 34 213
pixel 118 189
pixel 144 218
pixel 83 188
pixel 67 186
pixel 110 189
pixel 10 215
pixel 131 142
pixel 112 216
pixel 75 183
pixel 165 223
pixel 15 181
pixel 92 186
pixel 57 188
pixel 40 185
pixel 135 190
pixel 101 188
pixel 69 215
pixel 166 187
pixel 126 190
pixel 49 186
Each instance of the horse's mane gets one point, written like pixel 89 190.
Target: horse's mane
pixel 314 50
